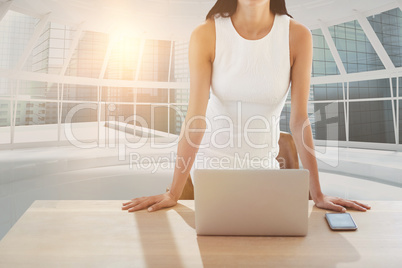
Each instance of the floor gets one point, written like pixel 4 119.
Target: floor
pixel 111 173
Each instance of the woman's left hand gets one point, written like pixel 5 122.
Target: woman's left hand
pixel 339 204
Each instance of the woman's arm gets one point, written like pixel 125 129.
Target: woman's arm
pixel 200 63
pixel 302 57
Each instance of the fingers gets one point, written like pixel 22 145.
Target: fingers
pixel 351 204
pixel 335 207
pixel 157 206
pixel 361 204
pixel 129 202
pixel 137 201
pixel 154 203
pixel 340 204
pixel 141 205
pixel 130 205
pixel 133 200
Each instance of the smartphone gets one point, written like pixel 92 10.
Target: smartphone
pixel 340 221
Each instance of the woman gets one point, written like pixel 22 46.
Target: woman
pixel 248 52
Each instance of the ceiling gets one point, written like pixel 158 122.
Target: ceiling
pixel 175 19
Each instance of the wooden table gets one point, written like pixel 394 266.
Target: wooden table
pixel 86 233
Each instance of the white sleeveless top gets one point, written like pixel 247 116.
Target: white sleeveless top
pixel 250 82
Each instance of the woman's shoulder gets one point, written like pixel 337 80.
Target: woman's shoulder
pixel 206 29
pixel 300 39
pixel 204 33
pixel 299 34
pixel 298 31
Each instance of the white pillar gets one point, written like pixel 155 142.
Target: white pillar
pixel 73 46
pixel 375 41
pixel 32 42
pixel 4 8
pixel 137 73
pixel 332 47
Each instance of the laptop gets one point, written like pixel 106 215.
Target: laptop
pixel 251 202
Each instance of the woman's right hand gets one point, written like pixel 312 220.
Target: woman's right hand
pixel 153 203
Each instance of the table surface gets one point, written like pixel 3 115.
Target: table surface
pixel 91 233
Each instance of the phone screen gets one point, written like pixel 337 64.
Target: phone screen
pixel 340 221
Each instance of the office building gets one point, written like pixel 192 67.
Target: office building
pixel 94 95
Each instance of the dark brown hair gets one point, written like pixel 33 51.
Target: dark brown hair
pixel 226 8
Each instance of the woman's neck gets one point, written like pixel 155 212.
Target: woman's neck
pixel 253 20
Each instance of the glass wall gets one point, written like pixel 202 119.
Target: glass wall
pixel 90 58
pixel 373 119
pixel 400 120
pixel 324 63
pixel 387 25
pixel 355 50
pixel 16 29
pixel 369 108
